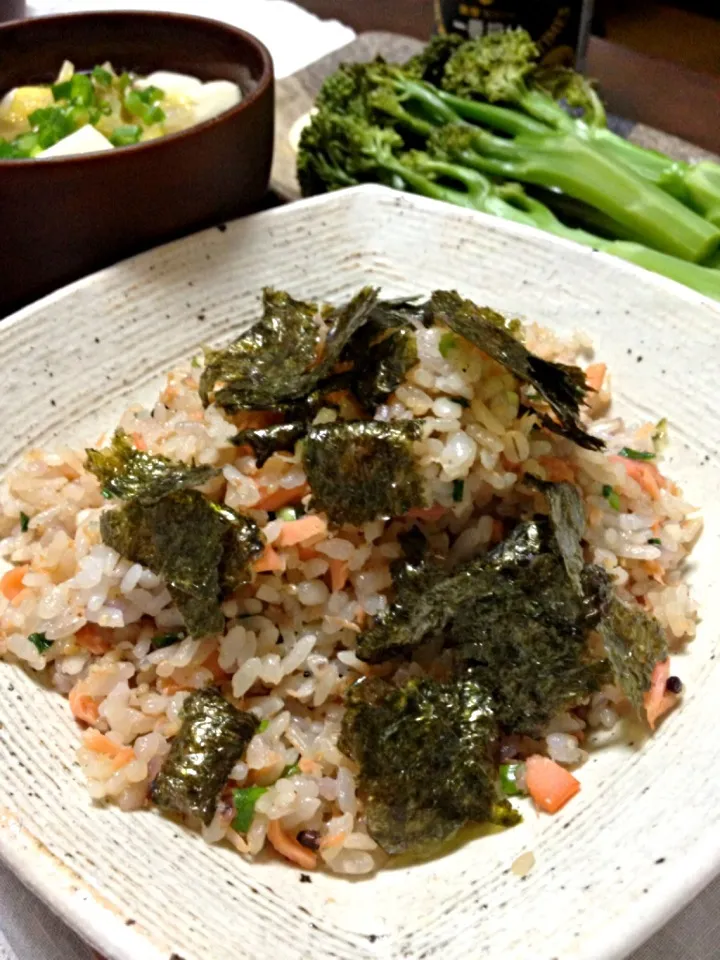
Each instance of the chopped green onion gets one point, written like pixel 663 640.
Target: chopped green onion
pixel 463 401
pixel 631 454
pixel 264 724
pixel 150 94
pixel 40 642
pixel 122 82
pixel 81 90
pixel 509 773
pixel 27 145
pixel 655 541
pixel 50 124
pixel 24 522
pixel 611 496
pixel 457 490
pixel 290 771
pixel 287 514
pixel 81 115
pixel 244 801
pixel 101 76
pixel 447 342
pixel 141 104
pixel 166 640
pixel 126 135
pixel 61 91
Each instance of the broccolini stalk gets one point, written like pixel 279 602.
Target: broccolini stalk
pixel 560 160
pixel 503 68
pixel 338 151
pixel 561 155
pixel 335 150
pixel 702 279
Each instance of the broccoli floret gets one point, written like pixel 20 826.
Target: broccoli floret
pixel 502 67
pixel 430 63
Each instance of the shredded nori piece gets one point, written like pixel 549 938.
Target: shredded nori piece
pixel 363 469
pixel 562 387
pixel 283 357
pixel 283 345
pixel 425 759
pixel 635 643
pixel 567 515
pixel 265 441
pixel 381 363
pixel 525 644
pixel 213 737
pixel 400 312
pixel 201 549
pixel 131 474
pixel 517 619
pixel 428 596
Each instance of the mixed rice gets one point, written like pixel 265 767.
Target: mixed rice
pixel 287 654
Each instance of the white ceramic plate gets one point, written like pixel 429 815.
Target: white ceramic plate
pixel 642 837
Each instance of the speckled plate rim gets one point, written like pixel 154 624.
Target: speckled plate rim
pixel 84 908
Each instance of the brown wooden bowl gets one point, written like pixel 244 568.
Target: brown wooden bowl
pixel 65 217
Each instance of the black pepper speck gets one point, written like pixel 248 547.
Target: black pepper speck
pixel 305 878
pixel 222 227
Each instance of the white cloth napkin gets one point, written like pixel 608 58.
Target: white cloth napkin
pixel 293 36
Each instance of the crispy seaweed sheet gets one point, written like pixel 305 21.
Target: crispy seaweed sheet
pixel 265 441
pixel 562 387
pixel 381 360
pixel 130 474
pixel 567 515
pixel 201 549
pixel 363 469
pixel 634 643
pixel 285 355
pixel 425 758
pixel 213 737
pixel 525 644
pixel 427 595
pixel 516 619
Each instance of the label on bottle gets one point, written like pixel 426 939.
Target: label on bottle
pixel 559 29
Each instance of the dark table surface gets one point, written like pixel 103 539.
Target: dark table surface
pixel 655 92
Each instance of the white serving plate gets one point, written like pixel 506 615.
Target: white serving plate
pixel 642 837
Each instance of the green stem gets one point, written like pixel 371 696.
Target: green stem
pixel 703 184
pixel 703 279
pixel 566 163
pixel 478 189
pixel 488 115
pixel 695 184
pixel 548 111
pixel 427 97
pixel 516 206
pixel 427 187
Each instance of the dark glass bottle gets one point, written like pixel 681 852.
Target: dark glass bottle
pixel 559 28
